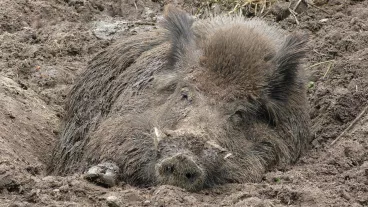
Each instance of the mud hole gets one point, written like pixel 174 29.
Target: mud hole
pixel 45 44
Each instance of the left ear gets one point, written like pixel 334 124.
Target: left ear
pixel 178 29
pixel 287 61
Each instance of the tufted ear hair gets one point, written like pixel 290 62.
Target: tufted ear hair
pixel 178 30
pixel 287 60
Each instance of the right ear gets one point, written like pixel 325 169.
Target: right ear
pixel 285 77
pixel 179 32
pixel 287 61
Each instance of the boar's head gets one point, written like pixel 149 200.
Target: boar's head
pixel 230 102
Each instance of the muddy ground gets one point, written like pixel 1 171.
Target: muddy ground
pixel 44 44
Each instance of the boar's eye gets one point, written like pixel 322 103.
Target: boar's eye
pixel 185 94
pixel 237 118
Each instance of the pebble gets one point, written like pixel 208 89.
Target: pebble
pixel 112 201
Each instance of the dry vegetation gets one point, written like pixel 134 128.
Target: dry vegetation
pixel 243 7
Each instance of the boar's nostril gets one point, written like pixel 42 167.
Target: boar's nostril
pixel 181 170
pixel 190 176
pixel 184 96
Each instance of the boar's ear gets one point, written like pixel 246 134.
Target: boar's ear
pixel 178 29
pixel 287 61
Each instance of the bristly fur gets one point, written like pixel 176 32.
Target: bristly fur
pixel 178 30
pixel 232 104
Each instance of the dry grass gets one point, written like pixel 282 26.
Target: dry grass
pixel 329 67
pixel 242 7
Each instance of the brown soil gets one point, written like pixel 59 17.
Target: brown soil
pixel 44 44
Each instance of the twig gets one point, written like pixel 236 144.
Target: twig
pixel 328 70
pixel 234 9
pixel 255 9
pixel 320 63
pixel 139 22
pixel 318 8
pixel 314 50
pixel 263 7
pixel 297 4
pixel 143 23
pixel 350 126
pixel 294 15
pixel 266 13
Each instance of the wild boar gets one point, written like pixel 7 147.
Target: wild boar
pixel 193 104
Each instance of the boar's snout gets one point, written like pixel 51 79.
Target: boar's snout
pixel 180 170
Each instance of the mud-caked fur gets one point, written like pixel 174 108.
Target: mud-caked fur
pixel 194 104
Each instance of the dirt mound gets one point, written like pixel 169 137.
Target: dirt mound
pixel 45 44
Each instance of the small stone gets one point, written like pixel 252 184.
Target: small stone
pixel 107 30
pixel 353 20
pixel 75 182
pixel 48 178
pixel 316 143
pixel 190 199
pixel 104 174
pixel 64 188
pixel 346 195
pixel 113 201
pixel 320 2
pixel 56 192
pixel 146 203
pixel 148 13
pixel 280 10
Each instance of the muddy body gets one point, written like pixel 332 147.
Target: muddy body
pixel 195 104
